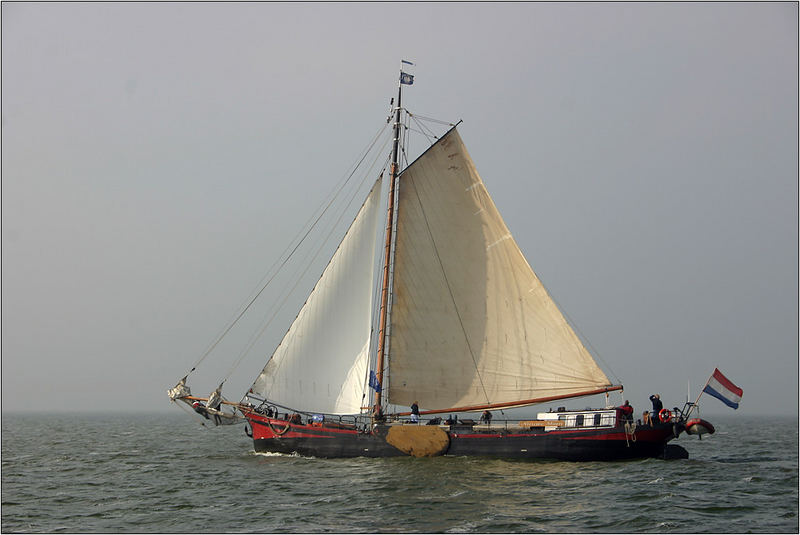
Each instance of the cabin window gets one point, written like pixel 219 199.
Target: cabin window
pixel 597 417
pixel 579 420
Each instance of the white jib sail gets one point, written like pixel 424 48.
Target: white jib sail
pixel 471 322
pixel 321 363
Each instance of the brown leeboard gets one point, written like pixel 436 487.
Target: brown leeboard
pixel 418 441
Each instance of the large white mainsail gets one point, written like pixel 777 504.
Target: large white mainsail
pixel 321 363
pixel 471 323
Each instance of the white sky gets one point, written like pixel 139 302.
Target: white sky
pixel 158 157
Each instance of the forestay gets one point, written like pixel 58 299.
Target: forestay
pixel 471 323
pixel 321 363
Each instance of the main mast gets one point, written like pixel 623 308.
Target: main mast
pixel 393 172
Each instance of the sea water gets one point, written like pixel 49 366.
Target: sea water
pixel 166 474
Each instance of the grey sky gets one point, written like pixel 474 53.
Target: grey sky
pixel 158 157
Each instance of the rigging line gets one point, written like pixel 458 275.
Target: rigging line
pixel 405 143
pixel 193 415
pixel 583 336
pixel 374 322
pixel 276 309
pixel 333 194
pixel 294 287
pixel 431 119
pixel 333 198
pixel 452 297
pixel 324 240
pixel 423 126
pixel 426 127
pixel 308 263
pixel 422 131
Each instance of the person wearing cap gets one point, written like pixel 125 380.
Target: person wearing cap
pixel 657 406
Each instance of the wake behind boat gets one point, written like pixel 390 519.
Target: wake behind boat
pixel 461 328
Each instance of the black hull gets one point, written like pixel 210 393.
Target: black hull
pixel 556 447
pixel 590 445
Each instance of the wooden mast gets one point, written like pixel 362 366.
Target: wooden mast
pixel 393 172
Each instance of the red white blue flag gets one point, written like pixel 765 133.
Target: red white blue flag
pixel 721 388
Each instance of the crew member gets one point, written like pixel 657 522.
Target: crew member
pixel 627 411
pixel 657 406
pixel 199 408
pixel 415 412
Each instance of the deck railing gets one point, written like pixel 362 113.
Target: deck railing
pixel 365 421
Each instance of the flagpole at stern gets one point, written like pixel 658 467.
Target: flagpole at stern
pixel 693 407
pixel 696 401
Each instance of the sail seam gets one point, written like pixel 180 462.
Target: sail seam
pixel 504 238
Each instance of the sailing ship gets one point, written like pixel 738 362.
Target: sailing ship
pixel 464 329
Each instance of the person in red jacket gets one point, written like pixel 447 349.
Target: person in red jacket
pixel 627 411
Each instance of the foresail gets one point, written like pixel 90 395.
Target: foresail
pixel 471 323
pixel 321 363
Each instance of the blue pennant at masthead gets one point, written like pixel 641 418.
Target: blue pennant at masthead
pixel 373 382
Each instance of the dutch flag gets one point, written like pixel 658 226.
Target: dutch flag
pixel 721 388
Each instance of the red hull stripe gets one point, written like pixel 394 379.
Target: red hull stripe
pixel 264 431
pixel 296 430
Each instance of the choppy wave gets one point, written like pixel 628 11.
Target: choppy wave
pixel 165 474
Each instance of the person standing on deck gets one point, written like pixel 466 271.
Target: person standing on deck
pixel 415 412
pixel 657 406
pixel 627 411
